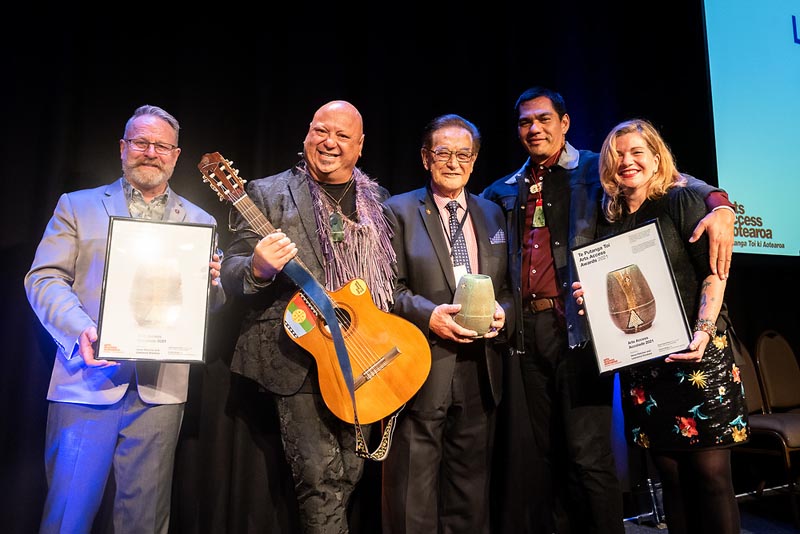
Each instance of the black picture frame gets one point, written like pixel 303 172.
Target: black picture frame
pixel 632 303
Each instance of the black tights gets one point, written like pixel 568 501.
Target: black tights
pixel 698 491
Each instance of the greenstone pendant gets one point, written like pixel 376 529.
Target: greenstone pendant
pixel 538 216
pixel 337 227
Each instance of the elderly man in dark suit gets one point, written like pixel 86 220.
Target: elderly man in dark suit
pixel 436 477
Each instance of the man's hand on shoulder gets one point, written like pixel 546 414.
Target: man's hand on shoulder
pixel 719 226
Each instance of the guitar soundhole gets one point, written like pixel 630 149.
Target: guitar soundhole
pixel 345 320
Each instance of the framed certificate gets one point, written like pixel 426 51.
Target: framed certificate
pixel 156 286
pixel 631 300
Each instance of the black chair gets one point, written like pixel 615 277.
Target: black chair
pixel 775 434
pixel 779 371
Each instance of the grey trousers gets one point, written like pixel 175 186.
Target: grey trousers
pixel 84 442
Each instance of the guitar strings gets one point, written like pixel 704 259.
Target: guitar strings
pixel 363 355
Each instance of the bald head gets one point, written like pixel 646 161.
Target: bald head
pixel 334 142
pixel 343 109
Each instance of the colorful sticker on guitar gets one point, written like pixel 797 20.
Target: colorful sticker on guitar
pixel 298 318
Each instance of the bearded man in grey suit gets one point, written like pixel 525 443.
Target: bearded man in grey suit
pixel 436 477
pixel 103 414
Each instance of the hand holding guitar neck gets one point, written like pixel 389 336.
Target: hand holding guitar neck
pixel 271 254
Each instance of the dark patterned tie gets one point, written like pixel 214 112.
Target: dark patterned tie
pixel 458 244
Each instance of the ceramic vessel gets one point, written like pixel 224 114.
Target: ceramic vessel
pixel 630 301
pixel 475 293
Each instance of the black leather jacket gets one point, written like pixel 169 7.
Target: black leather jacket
pixel 571 200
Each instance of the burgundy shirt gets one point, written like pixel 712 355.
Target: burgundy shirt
pixel 538 268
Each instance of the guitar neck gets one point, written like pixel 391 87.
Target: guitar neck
pixel 253 216
pixel 219 173
pixel 256 219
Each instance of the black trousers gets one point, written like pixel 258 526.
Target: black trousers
pixel 570 409
pixel 436 478
pixel 320 450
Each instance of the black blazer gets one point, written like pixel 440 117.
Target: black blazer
pixel 425 280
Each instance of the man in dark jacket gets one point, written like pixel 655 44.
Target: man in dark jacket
pixel 329 214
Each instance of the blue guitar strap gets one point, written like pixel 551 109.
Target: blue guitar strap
pixel 319 296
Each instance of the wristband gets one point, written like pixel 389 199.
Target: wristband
pixel 707 326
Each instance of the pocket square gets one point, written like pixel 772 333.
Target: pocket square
pixel 498 238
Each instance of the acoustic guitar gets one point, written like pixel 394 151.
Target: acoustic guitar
pixel 389 356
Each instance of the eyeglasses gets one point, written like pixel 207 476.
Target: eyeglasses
pixel 443 155
pixel 141 145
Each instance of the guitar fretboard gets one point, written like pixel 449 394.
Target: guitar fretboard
pixel 224 179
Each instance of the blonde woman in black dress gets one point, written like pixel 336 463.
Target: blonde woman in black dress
pixel 687 409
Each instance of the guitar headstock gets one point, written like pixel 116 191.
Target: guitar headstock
pixel 221 176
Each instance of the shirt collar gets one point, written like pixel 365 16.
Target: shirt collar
pixel 568 160
pixel 129 191
pixel 140 209
pixel 441 202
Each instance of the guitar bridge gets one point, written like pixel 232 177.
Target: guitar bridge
pixel 373 370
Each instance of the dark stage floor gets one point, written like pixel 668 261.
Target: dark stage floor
pixel 769 513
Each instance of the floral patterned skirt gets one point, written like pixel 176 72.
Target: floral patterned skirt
pixel 686 406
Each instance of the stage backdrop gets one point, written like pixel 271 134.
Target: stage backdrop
pixel 248 86
pixel 754 67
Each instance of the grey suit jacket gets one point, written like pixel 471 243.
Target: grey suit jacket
pixel 64 288
pixel 425 280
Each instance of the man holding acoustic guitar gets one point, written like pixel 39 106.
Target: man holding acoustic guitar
pixel 329 213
